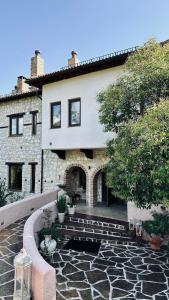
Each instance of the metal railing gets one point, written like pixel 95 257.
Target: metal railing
pixel 99 58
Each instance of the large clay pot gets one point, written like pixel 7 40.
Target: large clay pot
pixel 155 243
pixel 61 217
pixel 48 244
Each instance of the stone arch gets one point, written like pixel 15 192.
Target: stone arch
pixel 67 177
pixel 94 181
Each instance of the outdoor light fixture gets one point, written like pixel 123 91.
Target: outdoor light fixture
pixel 138 228
pixel 22 280
pixel 131 224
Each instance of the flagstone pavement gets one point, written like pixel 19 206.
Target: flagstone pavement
pixel 118 272
pixel 10 244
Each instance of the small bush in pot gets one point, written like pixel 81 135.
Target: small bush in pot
pixel 157 229
pixel 71 208
pixel 61 206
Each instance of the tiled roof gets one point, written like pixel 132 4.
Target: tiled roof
pixel 92 65
pixel 20 95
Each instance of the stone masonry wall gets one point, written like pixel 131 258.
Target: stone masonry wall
pixel 55 169
pixel 26 148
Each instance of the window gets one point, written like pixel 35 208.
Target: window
pixel 56 115
pixel 34 122
pixel 16 125
pixel 33 172
pixel 74 112
pixel 15 177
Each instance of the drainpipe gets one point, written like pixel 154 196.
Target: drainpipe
pixel 41 190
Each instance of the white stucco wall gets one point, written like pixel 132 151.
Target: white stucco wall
pixel 90 134
pixel 141 214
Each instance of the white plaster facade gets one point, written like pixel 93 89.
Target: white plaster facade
pixel 86 87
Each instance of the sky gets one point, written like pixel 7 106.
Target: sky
pixel 56 27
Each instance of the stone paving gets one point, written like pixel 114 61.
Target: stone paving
pixel 125 272
pixel 117 272
pixel 10 244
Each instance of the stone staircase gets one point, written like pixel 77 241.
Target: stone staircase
pixel 95 229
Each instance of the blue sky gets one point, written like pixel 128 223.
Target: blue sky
pixel 90 27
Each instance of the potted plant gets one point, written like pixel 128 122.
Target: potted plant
pixel 71 205
pixel 71 209
pixel 156 229
pixel 61 206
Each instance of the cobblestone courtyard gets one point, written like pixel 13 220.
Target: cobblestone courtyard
pixel 117 272
pixel 10 245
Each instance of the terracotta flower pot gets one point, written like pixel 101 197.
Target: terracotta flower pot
pixel 155 243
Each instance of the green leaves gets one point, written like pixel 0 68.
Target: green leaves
pixel 145 82
pixel 137 108
pixel 139 158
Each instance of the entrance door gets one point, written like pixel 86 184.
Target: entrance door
pixel 107 196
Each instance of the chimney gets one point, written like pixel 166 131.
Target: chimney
pixel 73 61
pixel 37 65
pixel 21 86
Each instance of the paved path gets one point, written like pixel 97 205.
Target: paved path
pixel 117 272
pixel 10 244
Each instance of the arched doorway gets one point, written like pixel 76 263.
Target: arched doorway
pixel 75 182
pixel 101 193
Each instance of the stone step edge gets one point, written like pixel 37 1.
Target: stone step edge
pixel 103 241
pixel 94 222
pixel 101 219
pixel 93 226
pixel 89 234
pixel 93 231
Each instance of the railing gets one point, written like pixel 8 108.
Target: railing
pixel 18 93
pixel 99 58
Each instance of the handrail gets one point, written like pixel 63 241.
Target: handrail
pixel 99 58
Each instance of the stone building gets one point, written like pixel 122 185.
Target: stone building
pixel 20 135
pixel 50 132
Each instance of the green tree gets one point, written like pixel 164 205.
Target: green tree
pixel 144 83
pixel 139 158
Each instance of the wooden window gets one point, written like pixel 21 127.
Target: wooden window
pixel 34 123
pixel 56 115
pixel 33 176
pixel 15 177
pixel 75 112
pixel 16 125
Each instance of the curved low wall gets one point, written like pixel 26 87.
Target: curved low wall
pixel 12 212
pixel 43 275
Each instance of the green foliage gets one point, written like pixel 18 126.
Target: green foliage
pixel 159 226
pixel 145 82
pixel 49 228
pixel 52 230
pixel 61 204
pixel 139 159
pixel 7 196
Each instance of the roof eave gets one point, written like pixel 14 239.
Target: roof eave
pixel 20 96
pixel 79 70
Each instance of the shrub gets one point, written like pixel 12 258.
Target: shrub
pixel 7 196
pixel 159 226
pixel 61 204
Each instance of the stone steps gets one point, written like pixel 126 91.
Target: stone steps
pixel 93 228
pixel 95 223
pixel 85 236
pixel 103 232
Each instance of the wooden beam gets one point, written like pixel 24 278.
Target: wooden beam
pixel 88 153
pixel 60 153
